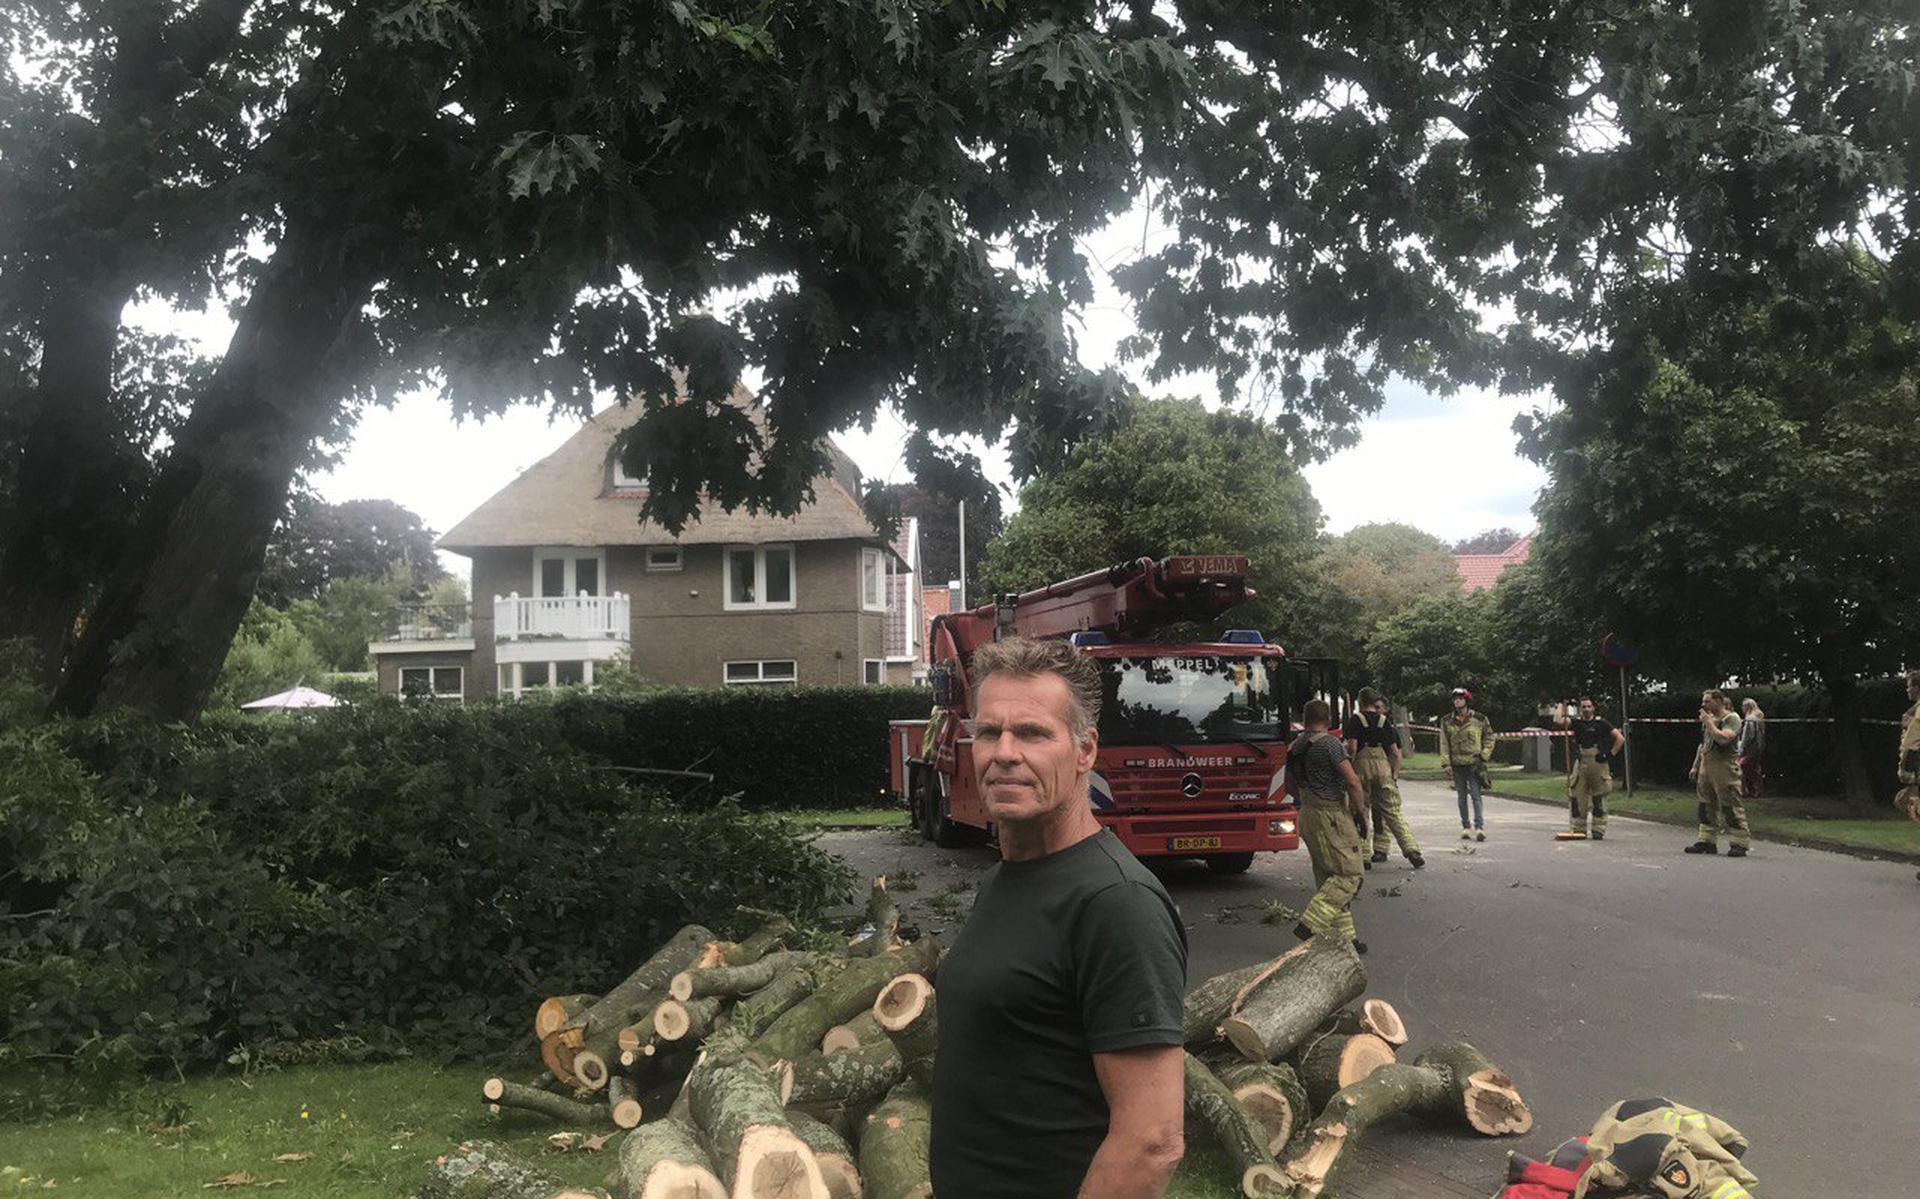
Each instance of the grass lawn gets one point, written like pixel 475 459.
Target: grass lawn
pixel 368 1132
pixel 1790 819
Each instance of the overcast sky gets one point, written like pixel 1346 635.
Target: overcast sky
pixel 1445 465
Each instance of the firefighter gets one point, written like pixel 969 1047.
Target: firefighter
pixel 1466 746
pixel 1716 776
pixel 1333 824
pixel 1908 799
pixel 1594 745
pixel 1374 744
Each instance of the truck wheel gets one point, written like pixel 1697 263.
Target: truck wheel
pixel 1230 863
pixel 939 826
pixel 916 787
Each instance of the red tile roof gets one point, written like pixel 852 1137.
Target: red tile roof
pixel 1481 571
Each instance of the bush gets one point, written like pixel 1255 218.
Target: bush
pixel 787 747
pixel 415 876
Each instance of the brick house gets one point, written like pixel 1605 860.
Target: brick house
pixel 567 576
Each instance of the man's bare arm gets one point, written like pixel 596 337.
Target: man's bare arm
pixel 1146 1100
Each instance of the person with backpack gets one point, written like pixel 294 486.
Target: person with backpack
pixel 1466 747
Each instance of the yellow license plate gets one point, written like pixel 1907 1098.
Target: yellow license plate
pixel 1178 843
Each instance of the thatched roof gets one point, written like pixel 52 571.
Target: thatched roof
pixel 569 498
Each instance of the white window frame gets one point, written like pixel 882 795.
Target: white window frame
pixel 760 665
pixel 675 559
pixel 879 668
pixel 571 553
pixel 620 479
pixel 759 553
pixel 433 693
pixel 873 603
pixel 514 685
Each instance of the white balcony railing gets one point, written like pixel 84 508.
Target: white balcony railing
pixel 560 617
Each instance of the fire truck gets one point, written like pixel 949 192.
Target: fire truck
pixel 1193 736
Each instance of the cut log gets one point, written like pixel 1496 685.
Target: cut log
pixel 1286 1006
pixel 1375 1016
pixel 893 1145
pixel 851 991
pixel 837 1164
pixel 486 1170
pixel 770 936
pixel 1476 1092
pixel 635 1038
pixel 830 1087
pixel 906 1011
pixel 558 1011
pixel 1212 1001
pixel 733 980
pixel 852 1034
pixel 1211 1107
pixel 692 1020
pixel 559 1107
pixel 664 1160
pixel 879 932
pixel 736 1106
pixel 622 1103
pixel 1270 1094
pixel 597 1029
pixel 1329 1142
pixel 752 1015
pixel 1335 1060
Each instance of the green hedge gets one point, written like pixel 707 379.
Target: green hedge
pixel 416 876
pixel 790 747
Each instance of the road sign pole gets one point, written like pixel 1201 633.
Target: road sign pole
pixel 1627 749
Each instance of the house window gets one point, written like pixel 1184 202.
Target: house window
pixel 518 678
pixel 759 577
pixel 569 674
pixel 568 572
pixel 663 557
pixel 433 682
pixel 778 672
pixel 874 671
pixel 873 580
pixel 626 480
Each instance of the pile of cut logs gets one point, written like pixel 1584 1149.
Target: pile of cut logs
pixel 751 1070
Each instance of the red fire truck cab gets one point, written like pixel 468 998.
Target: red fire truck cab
pixel 1193 736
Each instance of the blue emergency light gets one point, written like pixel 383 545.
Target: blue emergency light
pixel 1243 637
pixel 1086 637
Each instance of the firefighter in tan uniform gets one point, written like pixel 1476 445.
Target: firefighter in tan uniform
pixel 1716 775
pixel 1374 745
pixel 1908 797
pixel 1659 1148
pixel 1592 747
pixel 1333 823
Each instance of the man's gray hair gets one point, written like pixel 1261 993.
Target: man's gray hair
pixel 1025 658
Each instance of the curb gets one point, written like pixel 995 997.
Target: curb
pixel 1840 847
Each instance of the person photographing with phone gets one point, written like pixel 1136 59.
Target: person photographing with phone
pixel 1716 777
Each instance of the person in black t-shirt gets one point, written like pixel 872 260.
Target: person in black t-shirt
pixel 1374 745
pixel 1589 770
pixel 1060 1070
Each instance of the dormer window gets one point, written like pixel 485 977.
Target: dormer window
pixel 624 480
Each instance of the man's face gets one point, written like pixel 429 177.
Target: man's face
pixel 1710 702
pixel 1586 709
pixel 1459 703
pixel 1377 708
pixel 1025 756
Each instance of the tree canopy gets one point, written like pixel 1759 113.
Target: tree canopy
pixel 319 543
pixel 1359 579
pixel 939 515
pixel 1173 478
pixel 1492 541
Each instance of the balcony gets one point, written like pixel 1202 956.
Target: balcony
pixel 414 624
pixel 562 618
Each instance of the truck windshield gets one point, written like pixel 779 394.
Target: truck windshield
pixel 1196 700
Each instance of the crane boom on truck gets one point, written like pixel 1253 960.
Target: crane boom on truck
pixel 1192 737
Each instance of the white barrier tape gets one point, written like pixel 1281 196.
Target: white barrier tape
pixel 1770 720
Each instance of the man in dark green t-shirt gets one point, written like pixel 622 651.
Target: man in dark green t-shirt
pixel 1059 1071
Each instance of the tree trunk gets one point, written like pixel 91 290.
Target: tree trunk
pixel 156 640
pixel 1329 1142
pixel 1269 1093
pixel 879 930
pixel 1290 1003
pixel 560 1011
pixel 1376 1016
pixel 623 1103
pixel 1856 783
pixel 734 980
pixel 1333 1061
pixel 1476 1092
pixel 76 471
pixel 765 939
pixel 1215 999
pixel 837 1164
pixel 851 1035
pixel 664 1160
pixel 797 1032
pixel 689 1021
pixel 1211 1106
pixel 596 1031
pixel 486 1170
pixel 737 1108
pixel 908 1011
pixel 559 1107
pixel 752 1015
pixel 833 1086
pixel 893 1145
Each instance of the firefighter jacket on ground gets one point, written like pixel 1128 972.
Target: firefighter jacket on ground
pixel 1659 1147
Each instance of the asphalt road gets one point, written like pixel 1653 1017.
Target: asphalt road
pixel 1781 993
